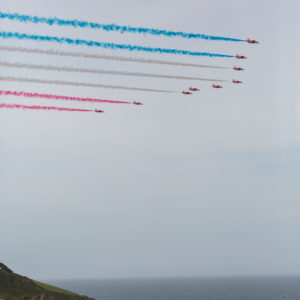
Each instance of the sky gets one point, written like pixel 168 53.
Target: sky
pixel 201 185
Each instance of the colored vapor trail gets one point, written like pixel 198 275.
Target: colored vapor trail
pixel 113 27
pixel 99 71
pixel 37 107
pixel 57 97
pixel 82 84
pixel 106 57
pixel 114 46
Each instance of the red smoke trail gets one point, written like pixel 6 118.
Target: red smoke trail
pixel 37 107
pixel 56 97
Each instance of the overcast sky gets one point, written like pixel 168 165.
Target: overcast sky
pixel 201 185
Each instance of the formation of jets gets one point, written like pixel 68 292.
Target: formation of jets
pixel 217 86
pixel 191 89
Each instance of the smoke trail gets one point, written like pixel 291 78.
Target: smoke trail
pixel 37 107
pixel 57 97
pixel 107 57
pixel 95 71
pixel 113 27
pixel 82 84
pixel 63 40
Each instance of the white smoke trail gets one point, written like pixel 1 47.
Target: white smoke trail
pixel 98 71
pixel 107 57
pixel 82 84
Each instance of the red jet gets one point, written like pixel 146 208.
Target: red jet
pixel 238 68
pixel 186 93
pixel 236 81
pixel 252 41
pixel 216 86
pixel 241 56
pixel 194 89
pixel 99 111
pixel 138 103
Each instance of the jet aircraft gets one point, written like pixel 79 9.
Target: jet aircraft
pixel 217 86
pixel 238 68
pixel 194 89
pixel 240 56
pixel 252 41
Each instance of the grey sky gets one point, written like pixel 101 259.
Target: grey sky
pixel 206 185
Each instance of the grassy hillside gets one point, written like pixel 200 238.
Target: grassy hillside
pixel 54 289
pixel 17 287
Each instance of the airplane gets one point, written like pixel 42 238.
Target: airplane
pixel 236 81
pixel 216 86
pixel 138 103
pixel 194 89
pixel 252 41
pixel 241 56
pixel 186 93
pixel 238 68
pixel 99 111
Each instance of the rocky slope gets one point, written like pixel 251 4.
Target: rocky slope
pixel 17 287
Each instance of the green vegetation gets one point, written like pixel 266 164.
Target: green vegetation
pixel 54 289
pixel 17 287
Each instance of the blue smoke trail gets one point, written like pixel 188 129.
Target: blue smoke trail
pixel 112 27
pixel 62 40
